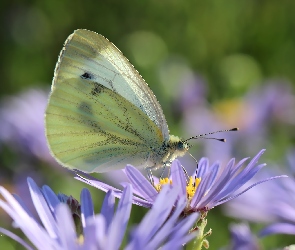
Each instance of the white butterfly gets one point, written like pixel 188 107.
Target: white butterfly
pixel 101 114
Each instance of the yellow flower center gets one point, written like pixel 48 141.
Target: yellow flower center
pixel 191 186
pixel 162 182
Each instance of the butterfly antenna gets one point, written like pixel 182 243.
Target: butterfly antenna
pixel 211 133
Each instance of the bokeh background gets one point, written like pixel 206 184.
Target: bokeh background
pixel 212 65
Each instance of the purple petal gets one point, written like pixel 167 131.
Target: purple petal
pixel 218 185
pixel 141 184
pixel 86 206
pixel 67 233
pixel 178 178
pixel 228 184
pixel 101 230
pixel 245 190
pixel 278 228
pixel 238 166
pixel 204 186
pixel 42 208
pixel 118 226
pixel 94 233
pixel 23 205
pixel 50 197
pixel 238 181
pixel 176 243
pixel 164 231
pixel 242 237
pixel 222 179
pixel 214 170
pixel 184 226
pixel 255 159
pixel 15 238
pixel 37 235
pixel 157 215
pixel 90 180
pixel 90 235
pixel 108 208
pixel 202 168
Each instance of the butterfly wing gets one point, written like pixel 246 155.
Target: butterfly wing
pixel 94 129
pixel 89 54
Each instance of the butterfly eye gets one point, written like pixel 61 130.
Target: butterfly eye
pixel 180 145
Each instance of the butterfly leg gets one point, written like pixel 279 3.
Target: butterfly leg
pixel 184 170
pixel 164 168
pixel 150 175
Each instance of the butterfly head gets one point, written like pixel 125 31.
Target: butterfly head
pixel 178 146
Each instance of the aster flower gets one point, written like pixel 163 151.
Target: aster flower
pixel 278 215
pixel 22 123
pixel 57 229
pixel 282 211
pixel 242 237
pixel 210 186
pixel 254 206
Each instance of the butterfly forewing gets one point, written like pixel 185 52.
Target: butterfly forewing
pixel 89 54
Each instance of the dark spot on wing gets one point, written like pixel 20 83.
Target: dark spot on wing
pixel 87 76
pixel 85 107
pixel 97 89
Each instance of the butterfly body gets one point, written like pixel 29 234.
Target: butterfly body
pixel 101 115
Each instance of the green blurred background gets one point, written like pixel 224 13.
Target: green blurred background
pixel 233 45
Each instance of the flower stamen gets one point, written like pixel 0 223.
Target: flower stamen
pixel 192 187
pixel 162 181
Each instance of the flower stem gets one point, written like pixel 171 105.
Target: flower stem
pixel 201 240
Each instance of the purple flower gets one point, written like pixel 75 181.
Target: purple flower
pixel 55 228
pixel 259 207
pixel 210 186
pixel 242 237
pixel 278 228
pixel 22 124
pixel 273 205
pixel 282 211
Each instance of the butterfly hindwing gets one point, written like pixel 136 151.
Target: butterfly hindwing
pixel 91 127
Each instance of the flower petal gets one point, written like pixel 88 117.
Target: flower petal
pixel 66 227
pixel 42 209
pixel 178 178
pixel 108 208
pixel 86 206
pixel 50 197
pixel 16 238
pixel 278 228
pixel 31 228
pixel 117 228
pixel 158 214
pixel 141 184
pixel 203 167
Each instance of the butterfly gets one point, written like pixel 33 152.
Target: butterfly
pixel 101 114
